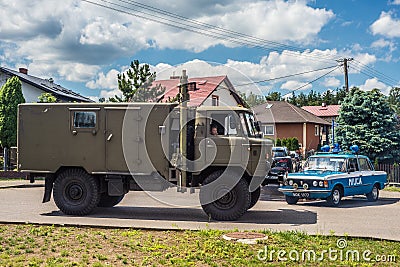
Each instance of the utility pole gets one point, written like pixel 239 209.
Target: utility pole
pixel 184 98
pixel 346 75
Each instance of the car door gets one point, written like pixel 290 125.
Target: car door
pixel 367 175
pixel 354 178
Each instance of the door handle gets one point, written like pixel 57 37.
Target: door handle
pixel 109 137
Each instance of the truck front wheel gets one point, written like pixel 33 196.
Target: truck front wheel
pixel 76 192
pixel 233 203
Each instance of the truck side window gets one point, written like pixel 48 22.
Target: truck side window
pixel 84 119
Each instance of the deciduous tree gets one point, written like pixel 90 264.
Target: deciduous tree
pixel 10 96
pixel 367 120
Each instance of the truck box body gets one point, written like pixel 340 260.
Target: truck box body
pixel 91 135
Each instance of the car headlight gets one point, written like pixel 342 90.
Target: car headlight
pixel 315 183
pixel 321 183
pixel 290 182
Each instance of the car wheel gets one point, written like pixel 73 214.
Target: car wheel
pixel 291 200
pixel 254 196
pixel 335 197
pixel 76 192
pixel 232 203
pixel 107 201
pixel 374 194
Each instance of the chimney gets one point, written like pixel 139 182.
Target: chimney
pixel 23 70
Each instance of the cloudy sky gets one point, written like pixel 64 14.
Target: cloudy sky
pixel 83 45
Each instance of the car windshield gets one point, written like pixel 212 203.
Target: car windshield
pixel 325 164
pixel 280 163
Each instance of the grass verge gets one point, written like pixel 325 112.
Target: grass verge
pixel 392 188
pixel 32 245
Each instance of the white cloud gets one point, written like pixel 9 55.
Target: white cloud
pixel 374 83
pixel 386 26
pixel 332 82
pixel 396 2
pixel 108 94
pixel 105 81
pixel 382 43
pixel 295 85
pixel 47 32
pixel 245 76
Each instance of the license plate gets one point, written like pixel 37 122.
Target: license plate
pixel 302 195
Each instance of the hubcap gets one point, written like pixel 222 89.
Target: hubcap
pixel 375 192
pixel 227 201
pixel 336 196
pixel 75 192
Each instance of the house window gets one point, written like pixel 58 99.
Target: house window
pixel 316 130
pixel 215 100
pixel 268 130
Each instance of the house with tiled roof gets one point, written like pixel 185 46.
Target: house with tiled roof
pixel 203 91
pixel 280 119
pixel 326 112
pixel 33 87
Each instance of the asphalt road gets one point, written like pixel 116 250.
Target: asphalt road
pixel 20 202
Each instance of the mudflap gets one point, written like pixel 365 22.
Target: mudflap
pixel 48 187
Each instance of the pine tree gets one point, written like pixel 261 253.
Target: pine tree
pixel 10 96
pixel 137 85
pixel 366 119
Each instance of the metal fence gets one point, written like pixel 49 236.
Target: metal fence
pixel 392 170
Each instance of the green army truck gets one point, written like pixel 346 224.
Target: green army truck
pixel 92 154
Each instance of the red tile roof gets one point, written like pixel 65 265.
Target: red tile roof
pixel 204 87
pixel 323 111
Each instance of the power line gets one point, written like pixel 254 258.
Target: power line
pixel 184 23
pixel 193 26
pixel 287 76
pixel 316 79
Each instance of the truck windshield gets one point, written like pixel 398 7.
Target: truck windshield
pixel 247 121
pixel 325 164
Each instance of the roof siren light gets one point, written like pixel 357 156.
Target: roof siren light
pixel 325 148
pixel 354 148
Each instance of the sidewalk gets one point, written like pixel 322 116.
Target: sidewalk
pixel 19 183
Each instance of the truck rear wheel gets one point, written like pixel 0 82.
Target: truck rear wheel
pixel 76 192
pixel 231 206
pixel 107 201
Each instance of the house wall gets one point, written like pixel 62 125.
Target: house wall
pixel 288 130
pixel 30 92
pixel 224 95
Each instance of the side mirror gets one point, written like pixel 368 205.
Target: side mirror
pixel 257 125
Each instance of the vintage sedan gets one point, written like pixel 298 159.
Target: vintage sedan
pixel 331 176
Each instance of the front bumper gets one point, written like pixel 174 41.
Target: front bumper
pixel 303 193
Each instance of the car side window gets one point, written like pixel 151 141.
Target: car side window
pixel 353 165
pixel 364 166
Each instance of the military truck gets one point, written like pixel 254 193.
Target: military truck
pixel 92 154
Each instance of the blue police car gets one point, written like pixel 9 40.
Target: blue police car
pixel 332 176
